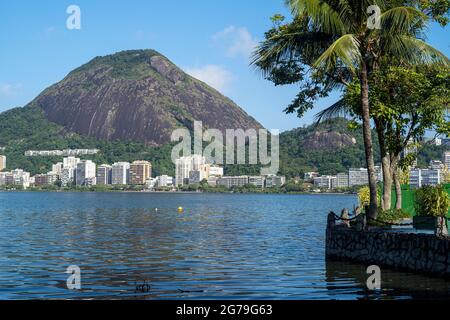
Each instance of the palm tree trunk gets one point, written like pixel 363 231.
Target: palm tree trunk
pixel 386 167
pixel 398 185
pixel 368 144
pixel 387 183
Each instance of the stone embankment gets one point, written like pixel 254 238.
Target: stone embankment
pixel 424 253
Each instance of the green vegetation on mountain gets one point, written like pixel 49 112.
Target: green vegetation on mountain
pixel 328 148
pixel 23 129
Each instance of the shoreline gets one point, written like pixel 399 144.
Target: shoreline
pixel 179 192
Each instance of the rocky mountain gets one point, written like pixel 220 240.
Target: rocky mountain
pixel 328 140
pixel 138 96
pixel 328 148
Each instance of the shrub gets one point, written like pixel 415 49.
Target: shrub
pixel 364 196
pixel 432 202
pixel 393 215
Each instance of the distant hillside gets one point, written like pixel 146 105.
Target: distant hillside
pixel 24 129
pixel 329 148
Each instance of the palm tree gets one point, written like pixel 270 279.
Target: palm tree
pixel 347 43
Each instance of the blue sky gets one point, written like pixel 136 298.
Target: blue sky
pixel 210 39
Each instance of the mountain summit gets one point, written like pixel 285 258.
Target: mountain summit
pixel 137 95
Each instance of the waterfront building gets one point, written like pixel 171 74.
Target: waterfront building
pixel 212 181
pixel 70 162
pixel 424 177
pixel 18 177
pixel 52 177
pixel 341 181
pixel 67 176
pixel 164 181
pixel 2 163
pixel 215 171
pixel 40 180
pixel 104 173
pixel 436 165
pixel 231 182
pixel 447 159
pixel 184 165
pixel 86 173
pixel 140 172
pixel 120 173
pixel 275 181
pixel 195 177
pixel 57 168
pixel 309 176
pixel 325 182
pixel 68 170
pixel 3 178
pixel 257 181
pixel 151 183
pixel 360 177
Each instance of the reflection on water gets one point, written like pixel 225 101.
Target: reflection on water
pixel 343 275
pixel 222 246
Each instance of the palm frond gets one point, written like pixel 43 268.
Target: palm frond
pixel 414 51
pixel 338 109
pixel 403 20
pixel 345 49
pixel 321 13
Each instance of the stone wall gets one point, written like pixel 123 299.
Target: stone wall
pixel 414 252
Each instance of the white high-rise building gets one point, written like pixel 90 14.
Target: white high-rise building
pixel 185 165
pixel 67 176
pixel 230 182
pixel 68 169
pixel 86 173
pixel 309 176
pixel 360 177
pixel 120 173
pixel 341 180
pixel 2 163
pixel 57 168
pixel 164 181
pixel 215 171
pixel 447 159
pixel 424 177
pixel 325 182
pixel 104 174
pixel 275 181
pixel 20 178
pixel 436 165
pixel 3 178
pixel 257 181
pixel 70 162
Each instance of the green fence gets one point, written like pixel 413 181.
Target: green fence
pixel 408 198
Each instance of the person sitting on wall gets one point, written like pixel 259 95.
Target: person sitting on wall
pixel 345 217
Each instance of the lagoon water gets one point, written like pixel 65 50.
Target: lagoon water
pixel 223 246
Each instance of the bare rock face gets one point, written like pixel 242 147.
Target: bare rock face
pixel 321 140
pixel 137 95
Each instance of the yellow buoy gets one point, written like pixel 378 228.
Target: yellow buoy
pixel 180 209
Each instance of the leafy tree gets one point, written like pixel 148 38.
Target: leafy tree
pixel 406 102
pixel 329 43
